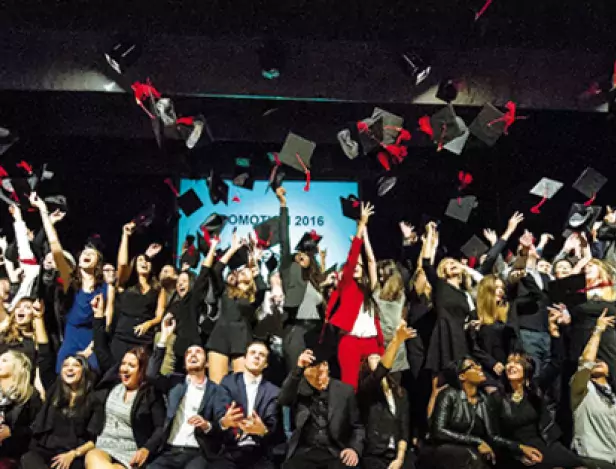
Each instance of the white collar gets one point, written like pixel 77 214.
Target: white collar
pixel 250 379
pixel 190 382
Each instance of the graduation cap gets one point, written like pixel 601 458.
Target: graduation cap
pixel 361 138
pixel 191 256
pixel 460 208
pixel 474 247
pixel 391 124
pixel 193 129
pixel 546 188
pixel 581 218
pixel 267 233
pixel 590 183
pixel 309 243
pixel 218 189
pixel 145 218
pixel 296 152
pixel 277 174
pixel 242 176
pixel 20 190
pixel 56 202
pixel 488 126
pixel 189 201
pixel 569 290
pixel 332 269
pixel 351 207
pixel 457 144
pixel 214 224
pixel 7 140
pixel 239 259
pixel 271 263
pixel 39 175
pixel 442 127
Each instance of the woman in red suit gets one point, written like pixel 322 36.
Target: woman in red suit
pixel 353 310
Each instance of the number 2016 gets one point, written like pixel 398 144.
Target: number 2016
pixel 309 221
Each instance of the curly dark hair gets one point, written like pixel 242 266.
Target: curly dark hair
pixel 133 280
pixel 99 279
pixel 61 395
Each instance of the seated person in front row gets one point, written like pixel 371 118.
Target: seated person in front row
pixel 192 432
pixel 252 418
pixel 328 431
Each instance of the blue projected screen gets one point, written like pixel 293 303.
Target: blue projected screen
pixel 319 210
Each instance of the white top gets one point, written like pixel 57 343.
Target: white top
pixel 364 326
pixel 183 434
pixel 252 388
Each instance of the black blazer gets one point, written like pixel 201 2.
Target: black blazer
pixel 376 415
pixel 266 406
pixel 212 407
pixel 148 412
pixel 345 427
pixel 19 419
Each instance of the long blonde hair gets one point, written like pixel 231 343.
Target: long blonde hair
pixel 488 310
pixel 20 390
pixel 465 283
pixel 606 277
pixel 427 290
pixel 392 288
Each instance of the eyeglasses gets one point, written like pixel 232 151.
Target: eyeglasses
pixel 469 366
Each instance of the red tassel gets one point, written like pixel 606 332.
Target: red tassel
pixel 403 136
pixel 472 262
pixel 191 250
pixel 306 171
pixel 314 235
pixel 143 91
pixel 172 187
pixel 465 179
pixel 28 261
pixel 189 121
pixel 485 6
pixel 441 140
pixel 236 199
pixel 362 127
pixel 509 118
pixel 263 243
pixel 384 160
pixel 206 235
pixel 3 173
pixel 589 202
pixel 355 204
pixel 426 126
pixel 536 208
pixel 25 166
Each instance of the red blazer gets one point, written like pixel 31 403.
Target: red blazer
pixel 346 301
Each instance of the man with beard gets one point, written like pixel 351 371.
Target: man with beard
pixel 195 407
pixel 252 418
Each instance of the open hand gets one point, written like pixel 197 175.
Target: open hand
pixel 367 210
pixel 199 422
pixel 57 216
pixel 140 457
pixel 233 416
pixel 142 328
pixel 604 321
pixel 281 193
pixel 253 425
pixel 404 333
pixel 63 461
pixel 349 457
pixel 305 359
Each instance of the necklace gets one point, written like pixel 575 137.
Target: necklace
pixel 517 396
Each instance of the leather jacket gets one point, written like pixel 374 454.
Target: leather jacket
pixel 454 418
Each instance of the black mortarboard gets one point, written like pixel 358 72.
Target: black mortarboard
pixel 323 343
pixel 267 232
pixel 460 208
pixel 488 126
pixel 214 224
pixel 242 176
pixel 276 178
pixel 447 90
pixel 445 126
pixel 333 268
pixel 351 207
pixel 581 218
pixel 456 145
pixel 94 241
pixel 568 290
pixel 191 256
pixel 240 258
pixel 297 152
pixel 590 182
pixel 189 202
pixel 145 218
pixel 39 175
pixel 7 139
pixel 309 243
pixel 369 133
pixel 56 202
pixel 22 190
pixel 474 247
pixel 392 124
pixel 219 190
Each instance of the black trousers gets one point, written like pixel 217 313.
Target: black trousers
pixel 37 460
pixel 383 462
pixel 176 458
pixel 245 458
pixel 315 458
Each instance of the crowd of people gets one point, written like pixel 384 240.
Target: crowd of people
pixel 228 360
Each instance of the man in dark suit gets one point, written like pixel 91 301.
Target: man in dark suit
pixel 251 420
pixel 328 431
pixel 195 409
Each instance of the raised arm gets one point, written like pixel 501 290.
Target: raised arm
pixel 372 271
pixel 62 265
pixel 428 253
pixel 28 262
pixel 153 372
pixel 499 246
pixel 283 229
pixel 101 338
pixel 123 267
pixel 579 382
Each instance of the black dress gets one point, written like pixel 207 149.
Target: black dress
pixel 522 425
pixel 131 309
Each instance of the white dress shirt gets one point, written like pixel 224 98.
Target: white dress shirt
pixel 252 388
pixel 364 325
pixel 183 434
